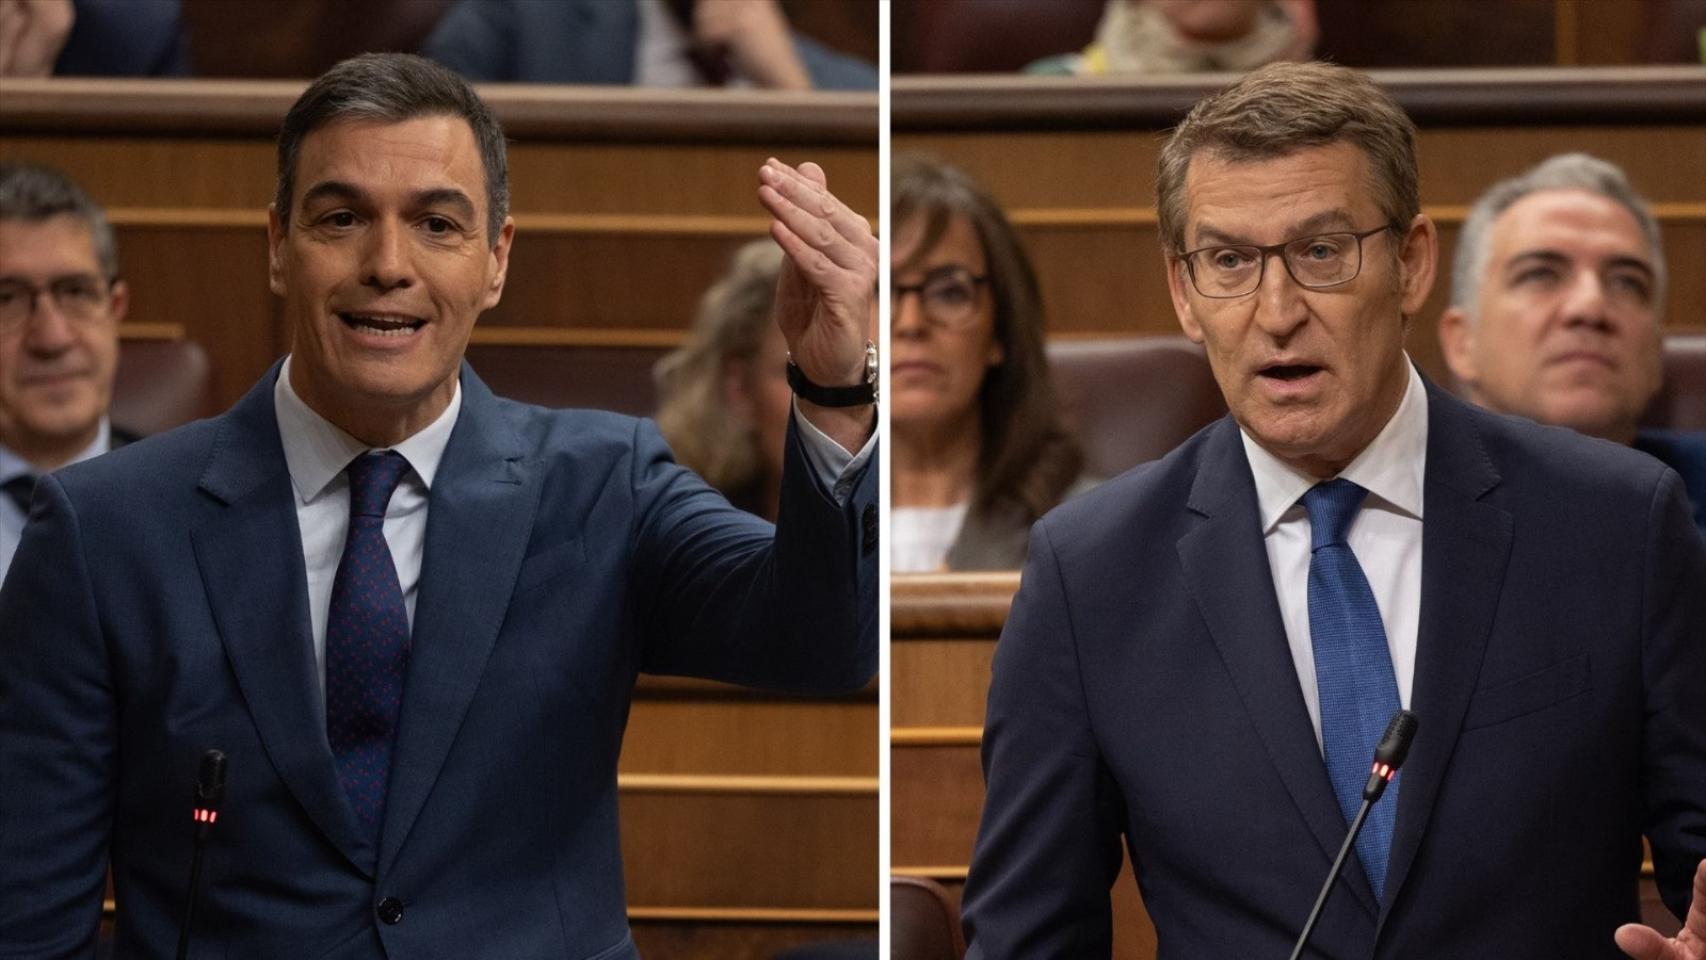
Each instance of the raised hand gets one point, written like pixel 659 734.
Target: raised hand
pixel 754 34
pixel 1645 943
pixel 827 293
pixel 32 32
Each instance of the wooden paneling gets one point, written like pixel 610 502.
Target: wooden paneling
pixel 741 807
pixel 938 796
pixel 1134 935
pixel 746 940
pixel 212 282
pixel 743 849
pixel 943 639
pixel 751 736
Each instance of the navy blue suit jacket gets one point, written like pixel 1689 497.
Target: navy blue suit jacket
pixel 159 608
pixel 1143 686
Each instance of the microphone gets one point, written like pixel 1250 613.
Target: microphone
pixel 1389 755
pixel 209 794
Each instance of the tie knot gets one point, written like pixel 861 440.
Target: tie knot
pixel 1331 506
pixel 373 477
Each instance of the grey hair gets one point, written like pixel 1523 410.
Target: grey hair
pixel 734 317
pixel 1566 171
pixel 391 88
pixel 34 194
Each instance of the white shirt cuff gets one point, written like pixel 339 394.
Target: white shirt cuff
pixel 831 463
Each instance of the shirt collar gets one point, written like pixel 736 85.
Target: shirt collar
pixel 316 451
pixel 13 465
pixel 1390 468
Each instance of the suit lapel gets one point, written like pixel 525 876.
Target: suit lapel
pixel 1466 545
pixel 1226 566
pixel 479 518
pixel 250 557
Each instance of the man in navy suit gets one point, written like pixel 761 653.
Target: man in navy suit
pixel 61 302
pixel 410 613
pixel 1556 292
pixel 1204 651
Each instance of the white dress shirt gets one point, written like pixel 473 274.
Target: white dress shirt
pixel 1386 538
pixel 11 465
pixel 316 453
pixel 922 536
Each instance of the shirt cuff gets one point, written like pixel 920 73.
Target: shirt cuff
pixel 833 466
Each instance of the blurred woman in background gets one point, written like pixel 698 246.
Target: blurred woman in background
pixel 980 450
pixel 723 396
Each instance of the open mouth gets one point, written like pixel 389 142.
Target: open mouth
pixel 1583 356
pixel 381 324
pixel 1289 372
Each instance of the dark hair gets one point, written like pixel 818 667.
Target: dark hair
pixel 1283 108
pixel 391 88
pixel 1027 456
pixel 34 194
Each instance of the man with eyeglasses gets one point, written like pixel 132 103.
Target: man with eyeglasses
pixel 60 306
pixel 1556 292
pixel 1205 651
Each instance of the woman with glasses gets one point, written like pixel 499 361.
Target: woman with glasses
pixel 980 448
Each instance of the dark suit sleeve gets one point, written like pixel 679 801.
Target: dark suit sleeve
pixel 1048 848
pixel 477 40
pixel 1674 666
pixel 719 595
pixel 58 735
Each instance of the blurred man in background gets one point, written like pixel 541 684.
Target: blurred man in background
pixel 647 43
pixel 1557 289
pixel 60 305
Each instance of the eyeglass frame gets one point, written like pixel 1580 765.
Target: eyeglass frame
pixel 36 293
pixel 899 290
pixel 1268 250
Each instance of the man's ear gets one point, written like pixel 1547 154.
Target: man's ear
pixel 118 302
pixel 1418 258
pixel 499 265
pixel 1177 288
pixel 275 250
pixel 1457 344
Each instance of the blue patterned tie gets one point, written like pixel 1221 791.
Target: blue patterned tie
pixel 367 642
pixel 1353 668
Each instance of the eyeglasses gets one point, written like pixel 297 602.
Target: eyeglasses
pixel 82 299
pixel 948 295
pixel 1235 270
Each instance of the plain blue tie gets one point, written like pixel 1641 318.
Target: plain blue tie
pixel 1353 668
pixel 367 643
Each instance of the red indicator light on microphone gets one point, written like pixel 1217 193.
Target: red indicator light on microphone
pixel 206 816
pixel 1383 771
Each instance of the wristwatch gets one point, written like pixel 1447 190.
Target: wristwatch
pixel 855 396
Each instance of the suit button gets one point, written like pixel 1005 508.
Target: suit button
pixel 390 910
pixel 870 523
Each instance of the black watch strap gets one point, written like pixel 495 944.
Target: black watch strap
pixel 854 396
